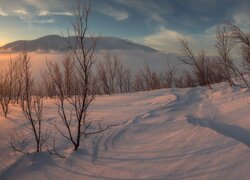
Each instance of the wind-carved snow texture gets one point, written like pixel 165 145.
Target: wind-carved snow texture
pixel 192 133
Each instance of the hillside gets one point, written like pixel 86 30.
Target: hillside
pixel 58 43
pixel 193 133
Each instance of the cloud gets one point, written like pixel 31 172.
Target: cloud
pixel 62 13
pixel 156 17
pixel 110 11
pixel 40 17
pixel 47 13
pixel 43 21
pixel 36 5
pixel 166 40
pixel 3 13
pixel 242 19
pixel 43 13
pixel 152 11
pixel 21 12
pixel 48 5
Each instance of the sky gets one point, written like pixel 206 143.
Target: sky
pixel 155 23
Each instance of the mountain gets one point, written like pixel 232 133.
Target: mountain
pixel 58 43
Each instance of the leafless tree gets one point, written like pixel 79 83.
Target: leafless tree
pixel 32 104
pixel 199 63
pixel 7 81
pixel 245 51
pixel 103 79
pixel 179 82
pixel 73 108
pixel 238 34
pixel 108 73
pixel 216 74
pixel 188 80
pixel 146 79
pixel 113 76
pixel 127 80
pixel 184 80
pixel 243 39
pixel 121 77
pixel 169 75
pixel 69 73
pixel 4 97
pixel 138 82
pixel 224 47
pixel 18 79
pixel 49 86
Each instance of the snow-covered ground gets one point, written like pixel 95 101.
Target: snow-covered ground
pixel 193 133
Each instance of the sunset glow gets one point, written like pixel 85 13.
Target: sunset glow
pixel 155 23
pixel 125 89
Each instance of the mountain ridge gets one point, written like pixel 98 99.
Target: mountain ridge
pixel 59 43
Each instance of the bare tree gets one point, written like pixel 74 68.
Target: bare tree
pixel 245 51
pixel 32 104
pixel 199 63
pixel 169 75
pixel 113 76
pixel 224 47
pixel 69 73
pixel 188 80
pixel 184 80
pixel 103 78
pixel 179 82
pixel 146 79
pixel 108 73
pixel 4 94
pixel 238 34
pixel 216 74
pixel 121 72
pixel 30 97
pixel 243 39
pixel 127 80
pixel 7 81
pixel 48 84
pixel 18 79
pixel 73 109
pixel 138 82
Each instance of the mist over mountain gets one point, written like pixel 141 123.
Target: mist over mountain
pixel 59 43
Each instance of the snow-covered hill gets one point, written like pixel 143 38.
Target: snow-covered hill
pixel 58 43
pixel 193 133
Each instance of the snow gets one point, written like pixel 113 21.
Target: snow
pixel 192 133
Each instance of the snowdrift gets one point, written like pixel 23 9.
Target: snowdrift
pixel 193 133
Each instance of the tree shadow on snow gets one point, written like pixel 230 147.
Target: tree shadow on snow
pixel 232 131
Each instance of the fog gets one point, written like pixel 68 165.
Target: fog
pixel 134 59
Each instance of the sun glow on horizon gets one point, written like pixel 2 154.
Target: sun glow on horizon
pixel 3 42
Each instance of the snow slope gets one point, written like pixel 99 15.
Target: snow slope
pixel 165 134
